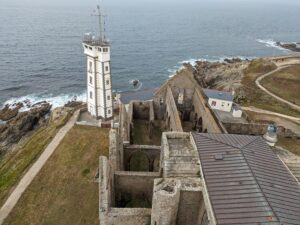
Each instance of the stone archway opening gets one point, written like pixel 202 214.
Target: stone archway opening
pixel 139 161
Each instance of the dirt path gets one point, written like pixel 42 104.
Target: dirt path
pixel 257 82
pixel 257 110
pixel 34 170
pixel 280 121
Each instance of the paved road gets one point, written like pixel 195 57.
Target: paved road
pixel 257 82
pixel 34 170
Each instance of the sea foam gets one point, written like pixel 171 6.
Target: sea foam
pixel 193 62
pixel 56 101
pixel 270 43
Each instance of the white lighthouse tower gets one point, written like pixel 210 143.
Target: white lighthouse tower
pixel 99 86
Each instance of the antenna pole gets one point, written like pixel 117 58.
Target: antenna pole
pixel 101 23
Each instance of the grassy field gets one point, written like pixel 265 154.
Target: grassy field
pixel 64 192
pixel 15 163
pixel 293 145
pixel 258 98
pixel 140 134
pixel 285 83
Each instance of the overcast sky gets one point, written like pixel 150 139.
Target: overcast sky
pixel 124 2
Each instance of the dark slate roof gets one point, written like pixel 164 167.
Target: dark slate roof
pixel 143 95
pixel 246 182
pixel 222 95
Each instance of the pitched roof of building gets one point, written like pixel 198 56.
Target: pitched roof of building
pixel 246 182
pixel 222 95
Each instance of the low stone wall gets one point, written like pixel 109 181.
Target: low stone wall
pixel 191 208
pixel 151 152
pixel 134 184
pixel 141 110
pixel 211 123
pixel 128 216
pixel 105 188
pixel 257 129
pixel 124 128
pixel 173 119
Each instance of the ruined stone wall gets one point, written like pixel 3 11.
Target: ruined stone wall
pixel 128 216
pixel 151 111
pixel 105 189
pixel 172 116
pixel 165 202
pixel 115 153
pixel 191 208
pixel 124 124
pixel 194 101
pixel 179 158
pixel 201 109
pixel 256 129
pixel 151 152
pixel 141 110
pixel 134 184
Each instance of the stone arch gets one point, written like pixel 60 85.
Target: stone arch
pixel 186 116
pixel 139 161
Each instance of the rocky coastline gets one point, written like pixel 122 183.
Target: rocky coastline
pixel 16 123
pixel 294 47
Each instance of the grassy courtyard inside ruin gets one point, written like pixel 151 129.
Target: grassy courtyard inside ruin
pixel 65 191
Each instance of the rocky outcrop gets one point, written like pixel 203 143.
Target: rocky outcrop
pixel 225 75
pixel 20 124
pixel 290 46
pixel 9 112
pixel 73 104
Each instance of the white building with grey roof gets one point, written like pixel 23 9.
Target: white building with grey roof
pixel 219 100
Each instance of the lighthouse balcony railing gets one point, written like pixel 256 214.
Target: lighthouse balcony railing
pixel 96 42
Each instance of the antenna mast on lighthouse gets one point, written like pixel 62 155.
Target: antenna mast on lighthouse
pixel 101 20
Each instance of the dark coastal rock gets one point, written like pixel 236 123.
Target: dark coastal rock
pixel 233 60
pixel 8 113
pixel 21 124
pixel 73 104
pixel 290 46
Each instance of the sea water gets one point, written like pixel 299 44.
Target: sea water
pixel 41 56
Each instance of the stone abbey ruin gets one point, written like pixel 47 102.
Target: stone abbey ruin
pixel 173 162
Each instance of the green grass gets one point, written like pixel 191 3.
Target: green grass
pixel 141 136
pixel 139 162
pixel 258 98
pixel 15 163
pixel 65 192
pixel 138 203
pixel 285 83
pixel 293 145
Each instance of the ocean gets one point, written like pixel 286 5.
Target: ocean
pixel 41 56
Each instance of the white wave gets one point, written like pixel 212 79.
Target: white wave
pixel 270 43
pixel 193 62
pixel 56 101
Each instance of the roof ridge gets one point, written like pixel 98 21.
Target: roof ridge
pixel 204 135
pixel 254 177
